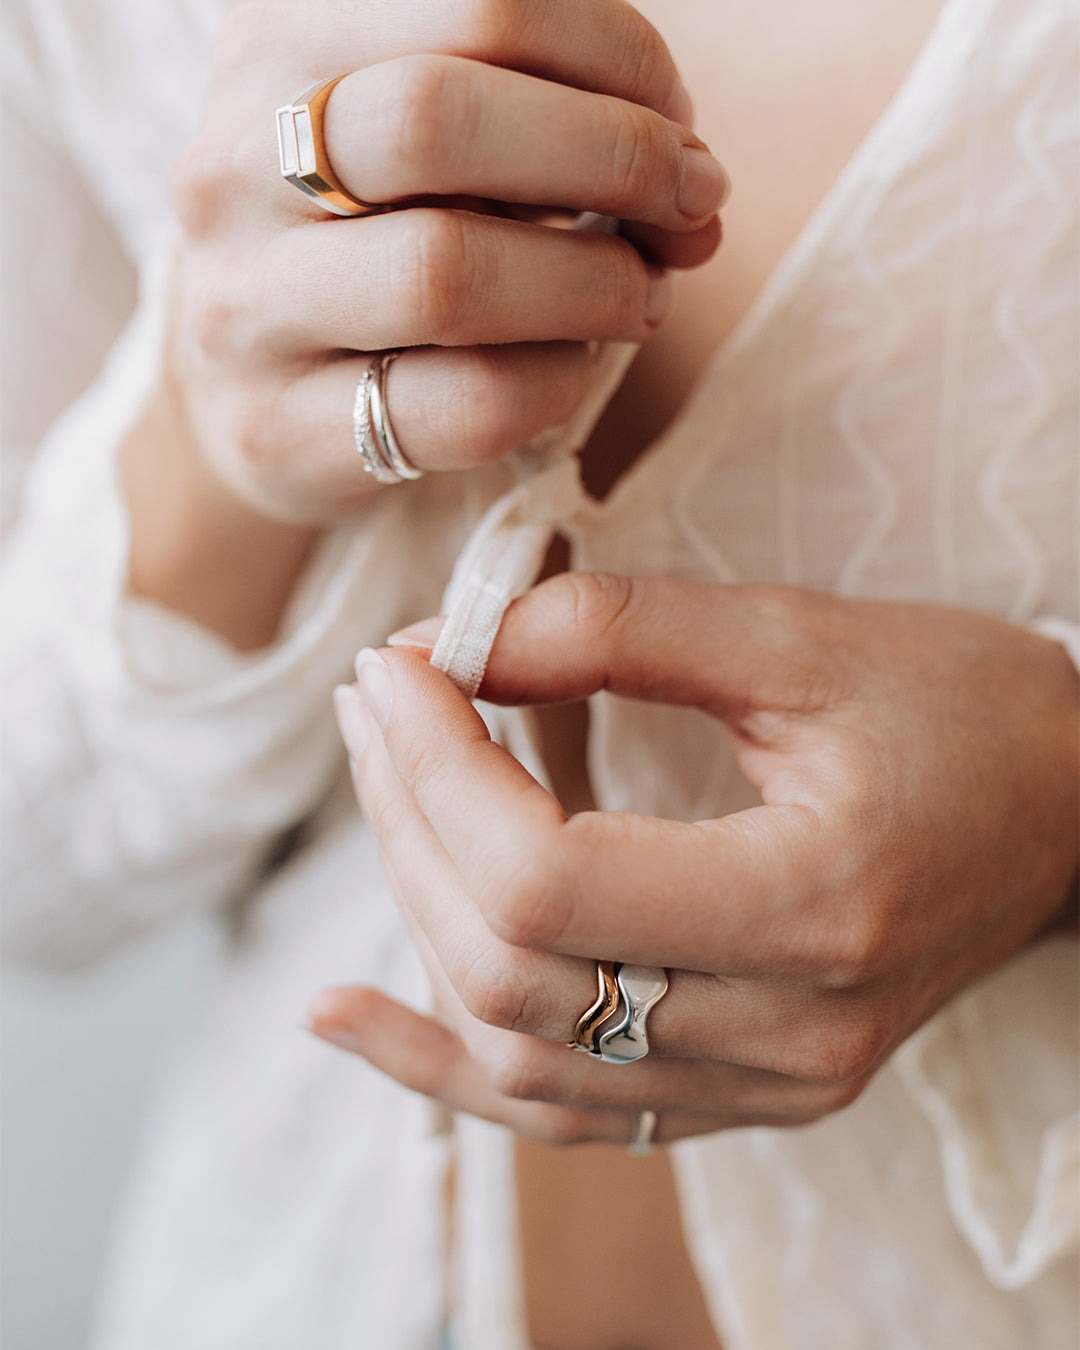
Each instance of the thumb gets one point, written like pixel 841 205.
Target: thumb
pixel 729 650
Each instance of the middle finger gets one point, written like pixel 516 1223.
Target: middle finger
pixel 441 125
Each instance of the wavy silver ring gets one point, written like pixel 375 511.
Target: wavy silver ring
pixel 641 987
pixel 376 443
pixel 642 1132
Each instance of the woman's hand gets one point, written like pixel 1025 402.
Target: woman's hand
pixel 573 104
pixel 919 773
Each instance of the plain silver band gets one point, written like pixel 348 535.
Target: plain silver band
pixel 380 422
pixel 375 441
pixel 642 1132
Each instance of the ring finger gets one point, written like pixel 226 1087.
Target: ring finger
pixel 430 1059
pixel 449 408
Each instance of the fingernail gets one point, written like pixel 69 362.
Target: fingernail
pixel 337 1035
pixel 704 186
pixel 422 635
pixel 680 106
pixel 376 685
pixel 351 719
pixel 658 301
pixel 321 1020
pixel 726 191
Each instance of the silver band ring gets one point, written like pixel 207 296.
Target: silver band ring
pixel 375 441
pixel 642 1132
pixel 641 987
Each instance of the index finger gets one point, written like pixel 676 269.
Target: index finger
pixel 715 895
pixel 603 46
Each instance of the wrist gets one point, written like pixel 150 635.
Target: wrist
pixel 195 547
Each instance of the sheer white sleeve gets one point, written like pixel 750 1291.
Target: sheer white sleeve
pixel 996 1075
pixel 147 767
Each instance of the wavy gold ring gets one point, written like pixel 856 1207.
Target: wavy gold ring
pixel 607 1000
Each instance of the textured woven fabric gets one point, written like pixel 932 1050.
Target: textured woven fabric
pixel 506 549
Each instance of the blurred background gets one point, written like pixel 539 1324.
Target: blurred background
pixel 82 1058
pixel 81 1055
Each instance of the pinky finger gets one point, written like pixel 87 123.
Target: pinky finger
pixel 426 1057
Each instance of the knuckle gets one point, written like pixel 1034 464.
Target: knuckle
pixel 499 28
pixel 839 1096
pixel 496 993
pixel 384 813
pixel 433 274
pixel 643 57
pixel 513 1072
pixel 622 286
pixel 566 1130
pixel 844 1057
pixel 527 906
pixel 254 447
pixel 857 948
pixel 782 609
pixel 637 153
pixel 419 764
pixel 792 624
pixel 217 321
pixel 599 603
pixel 423 117
pixel 199 186
pixel 236 34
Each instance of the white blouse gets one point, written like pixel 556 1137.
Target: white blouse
pixel 895 418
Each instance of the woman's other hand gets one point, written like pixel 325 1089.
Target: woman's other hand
pixel 919 774
pixel 574 104
pixel 470 114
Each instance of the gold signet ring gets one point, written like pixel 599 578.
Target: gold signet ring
pixel 304 161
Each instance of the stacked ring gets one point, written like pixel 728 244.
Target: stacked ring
pixel 641 987
pixel 637 989
pixel 375 441
pixel 607 1001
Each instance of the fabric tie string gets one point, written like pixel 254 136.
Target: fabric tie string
pixel 506 550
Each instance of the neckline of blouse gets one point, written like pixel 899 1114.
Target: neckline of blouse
pixel 894 141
